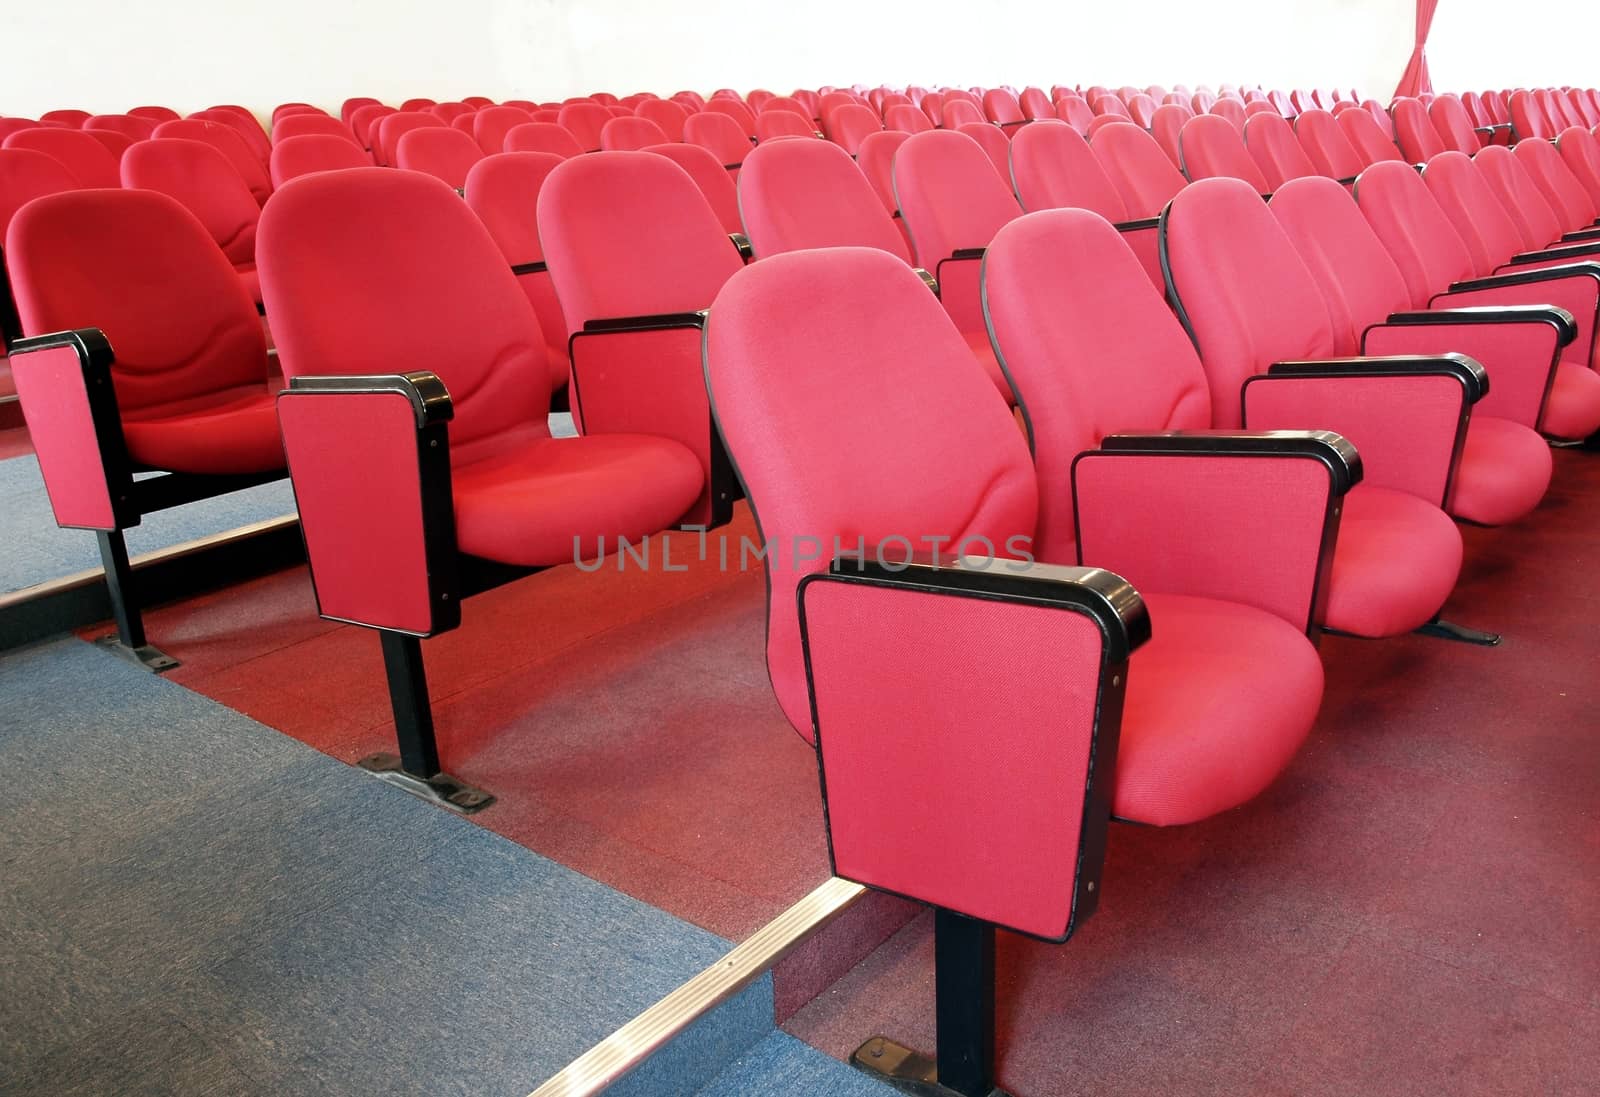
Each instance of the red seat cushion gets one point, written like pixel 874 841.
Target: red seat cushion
pixel 1505 469
pixel 1217 703
pixel 1395 564
pixel 1574 407
pixel 528 502
pixel 235 434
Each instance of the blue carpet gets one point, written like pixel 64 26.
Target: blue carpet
pixel 781 1066
pixel 38 550
pixel 195 904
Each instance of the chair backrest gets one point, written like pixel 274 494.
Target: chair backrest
pixel 958 112
pixel 1359 280
pixel 1138 168
pixel 1380 115
pixel 1528 118
pixel 585 121
pixel 1090 349
pixel 419 103
pixel 226 140
pixel 1415 232
pixel 813 466
pixel 790 104
pixel 203 180
pixel 796 195
pixel 851 123
pixel 719 135
pixel 629 134
pixel 1142 109
pixel 115 143
pixel 140 267
pixel 129 125
pixel 242 122
pixel 296 156
pixel 906 119
pixel 776 125
pixel 90 162
pixel 995 144
pixel 155 114
pixel 380 272
pixel 348 108
pixel 1580 151
pixel 391 127
pixel 1520 195
pixel 630 234
pixel 950 195
pixel 1052 167
pixel 1035 104
pixel 1002 108
pixel 542 137
pixel 736 110
pixel 1557 183
pixel 1413 130
pixel 1241 289
pixel 1367 137
pixel 714 180
pixel 491 124
pixel 1275 149
pixel 1326 145
pixel 875 158
pixel 1453 125
pixel 1230 109
pixel 1110 105
pixel 1210 147
pixel 665 113
pixel 364 123
pixel 26 175
pixel 69 117
pixel 1165 125
pixel 445 154
pixel 1463 192
pixel 302 125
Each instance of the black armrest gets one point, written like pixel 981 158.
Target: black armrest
pixel 660 322
pixel 536 267
pixel 928 280
pixel 1473 377
pixel 1552 254
pixel 1137 224
pixel 967 253
pixel 732 167
pixel 1582 235
pixel 1332 449
pixel 1522 278
pixel 429 399
pixel 1563 320
pixel 741 243
pixel 1348 182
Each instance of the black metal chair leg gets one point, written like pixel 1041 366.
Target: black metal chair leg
pixel 129 642
pixel 416 767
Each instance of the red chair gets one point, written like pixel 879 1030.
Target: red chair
pixel 719 135
pixel 1139 169
pixel 1367 137
pixel 630 134
pixel 1015 853
pixel 1327 147
pixel 450 111
pixel 995 144
pixel 348 108
pixel 546 137
pixel 130 126
pixel 1230 109
pixel 391 127
pixel 364 122
pixel 1536 218
pixel 714 181
pixel 421 456
pixel 304 125
pixel 1165 125
pixel 503 190
pixel 850 124
pixel 906 119
pixel 1580 151
pixel 490 126
pixel 156 114
pixel 90 162
pixel 1003 109
pixel 584 121
pixel 206 184
pixel 736 110
pixel 242 122
pixel 226 140
pixel 184 395
pixel 445 154
pixel 1455 127
pixel 1413 131
pixel 959 112
pixel 1211 147
pixel 780 124
pixel 636 254
pixel 24 176
pixel 666 114
pixel 297 156
pixel 1075 112
pixel 1277 152
pixel 115 143
pixel 68 117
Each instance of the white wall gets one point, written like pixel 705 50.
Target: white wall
pixel 108 55
pixel 1478 44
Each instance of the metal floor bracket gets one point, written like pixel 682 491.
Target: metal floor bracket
pixel 1449 630
pixel 148 656
pixel 441 789
pixel 906 1070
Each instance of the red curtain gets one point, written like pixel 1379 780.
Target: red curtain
pixel 1416 78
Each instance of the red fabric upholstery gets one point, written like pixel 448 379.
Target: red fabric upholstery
pixel 1454 127
pixel 1165 125
pixel 850 124
pixel 735 110
pixel 1505 471
pixel 719 135
pixel 1212 147
pixel 1012 858
pixel 545 137
pixel 364 121
pixel 1581 153
pixel 244 123
pixel 201 178
pixel 191 361
pixel 490 126
pixel 630 134
pixel 1277 152
pixel 67 117
pixel 714 181
pixel 387 133
pixel 1413 130
pixel 130 126
pixel 1418 235
pixel 960 112
pixel 1367 138
pixel 155 114
pixel 348 108
pixel 1527 118
pixel 302 125
pixel 1075 112
pixel 1053 168
pixel 1230 110
pixel 807 194
pixel 1002 108
pixel 503 191
pixel 585 121
pixel 297 156
pixel 450 111
pixel 1560 187
pixel 995 144
pixel 906 119
pixel 1142 173
pixel 1326 145
pixel 446 154
pixel 337 269
pixel 666 114
pixel 26 175
pixel 774 125
pixel 1515 188
pixel 55 405
pixel 90 162
pixel 226 140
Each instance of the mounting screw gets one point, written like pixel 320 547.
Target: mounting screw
pixel 1091 885
pixel 1116 679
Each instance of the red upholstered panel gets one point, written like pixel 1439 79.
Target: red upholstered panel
pixel 719 135
pixel 669 116
pixel 716 183
pixel 1558 184
pixel 490 126
pixel 445 154
pixel 137 265
pixel 775 125
pixel 391 127
pixel 1519 359
pixel 808 194
pixel 1367 138
pixel 1141 172
pixel 1250 527
pixel 1090 348
pixel 55 405
pixel 26 175
pixel 1413 130
pixel 367 546
pixel 1505 471
pixel 1165 125
pixel 1213 147
pixel 542 137
pixel 1276 150
pixel 1075 112
pixel 1477 215
pixel 1581 153
pixel 1326 145
pixel 735 110
pixel 331 250
pixel 1146 246
pixel 995 144
pixel 1416 232
pixel 1249 298
pixel 585 121
pixel 297 156
pixel 303 125
pixel 1002 107
pixel 226 140
pixel 983 812
pixel 130 126
pixel 1052 167
pixel 876 161
pixel 1455 129
pixel 1518 193
pixel 950 464
pixel 950 195
pixel 201 178
pixel 90 162
pixel 627 134
pixel 906 119
pixel 1578 294
pixel 1403 427
pixel 850 124
pixel 629 234
pixel 647 382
